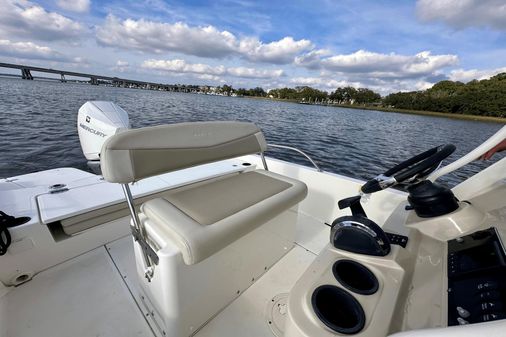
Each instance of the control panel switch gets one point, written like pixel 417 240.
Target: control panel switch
pixel 463 312
pixel 462 321
pixel 490 295
pixel 489 285
pixel 491 306
pixel 492 317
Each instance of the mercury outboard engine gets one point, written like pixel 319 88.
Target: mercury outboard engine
pixel 96 122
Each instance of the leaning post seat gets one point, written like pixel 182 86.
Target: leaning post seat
pixel 199 246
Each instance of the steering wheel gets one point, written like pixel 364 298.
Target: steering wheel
pixel 411 170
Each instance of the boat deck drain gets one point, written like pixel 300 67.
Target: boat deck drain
pixel 276 314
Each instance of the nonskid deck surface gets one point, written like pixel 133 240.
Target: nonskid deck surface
pixel 95 294
pixel 85 296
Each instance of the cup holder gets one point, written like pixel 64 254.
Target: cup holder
pixel 355 277
pixel 338 310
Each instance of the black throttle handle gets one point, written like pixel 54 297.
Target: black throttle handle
pixel 354 204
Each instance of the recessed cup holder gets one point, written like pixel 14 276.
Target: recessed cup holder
pixel 355 277
pixel 338 309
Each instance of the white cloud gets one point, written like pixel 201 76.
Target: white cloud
pixel 474 74
pixel 82 61
pixel 389 65
pixel 311 60
pixel 181 66
pixel 464 13
pixel 422 85
pixel 323 83
pixel 78 6
pixel 158 37
pixel 25 19
pixel 208 77
pixel 366 64
pixel 121 66
pixel 278 52
pixel 254 73
pixel 29 50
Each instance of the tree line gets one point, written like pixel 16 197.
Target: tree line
pixel 486 97
pixel 347 95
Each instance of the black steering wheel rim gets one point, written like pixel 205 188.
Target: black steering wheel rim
pixel 419 166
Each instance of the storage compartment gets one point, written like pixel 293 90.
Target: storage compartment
pixel 338 310
pixel 219 279
pixel 355 276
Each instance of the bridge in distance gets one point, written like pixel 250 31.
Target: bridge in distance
pixel 26 73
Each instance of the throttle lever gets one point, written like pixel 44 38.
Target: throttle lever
pixel 354 204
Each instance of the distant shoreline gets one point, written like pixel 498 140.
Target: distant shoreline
pixel 477 118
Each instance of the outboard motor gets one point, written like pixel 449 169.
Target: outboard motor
pixel 96 122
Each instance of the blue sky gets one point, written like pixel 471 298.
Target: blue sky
pixel 387 46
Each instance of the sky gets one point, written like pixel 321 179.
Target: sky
pixel 385 45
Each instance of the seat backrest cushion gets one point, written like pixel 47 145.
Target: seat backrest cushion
pixel 140 153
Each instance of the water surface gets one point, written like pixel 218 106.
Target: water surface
pixel 38 123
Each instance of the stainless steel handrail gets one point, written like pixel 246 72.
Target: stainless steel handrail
pixel 299 151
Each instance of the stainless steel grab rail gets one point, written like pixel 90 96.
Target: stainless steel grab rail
pixel 296 150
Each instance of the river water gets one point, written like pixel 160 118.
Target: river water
pixel 38 127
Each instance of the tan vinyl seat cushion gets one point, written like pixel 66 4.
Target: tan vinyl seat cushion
pixel 205 218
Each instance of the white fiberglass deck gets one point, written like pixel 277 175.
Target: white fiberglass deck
pixel 95 294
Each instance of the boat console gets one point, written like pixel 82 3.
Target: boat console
pixel 436 262
pixel 436 284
